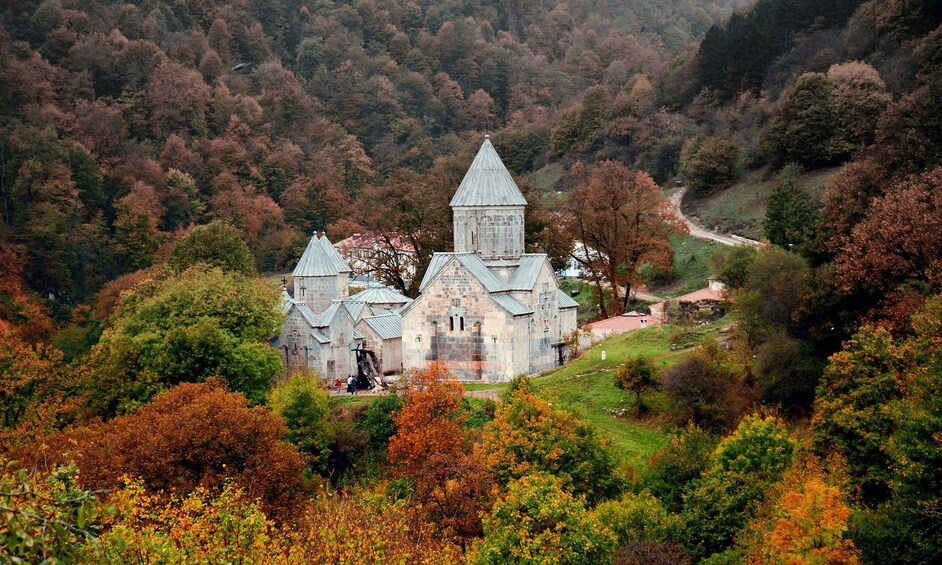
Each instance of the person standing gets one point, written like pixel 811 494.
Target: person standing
pixel 352 385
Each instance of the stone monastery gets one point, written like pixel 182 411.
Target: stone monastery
pixel 488 310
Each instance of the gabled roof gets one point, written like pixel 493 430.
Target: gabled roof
pixel 309 316
pixel 488 182
pixel 356 309
pixel 320 259
pixel 387 326
pixel 528 272
pixel 321 320
pixel 513 306
pixel 378 293
pixel 285 302
pixel 474 265
pixel 565 301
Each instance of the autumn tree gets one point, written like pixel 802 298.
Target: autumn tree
pixel 193 435
pixel 36 391
pixel 743 467
pixel 900 239
pixel 408 208
pixel 808 522
pixel 637 375
pixel 528 436
pixel 432 448
pixel 540 521
pixel 623 221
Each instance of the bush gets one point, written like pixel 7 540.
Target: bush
pixel 704 392
pixel 540 522
pixel 305 407
pixel 744 466
pixel 709 164
pixel 676 467
pixel 529 436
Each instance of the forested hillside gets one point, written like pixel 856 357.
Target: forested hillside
pixel 161 161
pixel 126 122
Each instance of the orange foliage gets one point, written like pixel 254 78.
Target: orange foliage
pixel 37 392
pixel 213 528
pixel 432 448
pixel 429 424
pixel 18 311
pixel 806 525
pixel 194 435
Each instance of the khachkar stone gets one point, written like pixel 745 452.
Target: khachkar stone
pixel 488 209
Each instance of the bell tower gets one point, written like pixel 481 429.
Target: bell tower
pixel 489 209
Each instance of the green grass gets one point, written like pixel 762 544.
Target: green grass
pixel 547 178
pixel 586 387
pixel 740 209
pixel 588 303
pixel 691 267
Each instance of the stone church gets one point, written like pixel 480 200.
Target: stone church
pixel 489 310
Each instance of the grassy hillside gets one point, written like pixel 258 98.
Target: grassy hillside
pixel 585 386
pixel 691 267
pixel 740 209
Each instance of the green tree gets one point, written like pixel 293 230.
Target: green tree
pixel 216 245
pixel 46 517
pixel 804 123
pixel 732 264
pixel 916 443
pixel 853 408
pixel 529 436
pixel 636 517
pixel 792 214
pixel 675 468
pixel 744 466
pixel 540 522
pixel 637 375
pixel 709 164
pixel 305 407
pixel 187 328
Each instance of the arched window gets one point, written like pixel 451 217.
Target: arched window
pixel 462 323
pixel 451 323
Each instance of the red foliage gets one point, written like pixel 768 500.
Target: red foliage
pixel 194 435
pixel 433 449
pixel 900 239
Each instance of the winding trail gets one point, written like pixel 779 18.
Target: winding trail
pixel 703 233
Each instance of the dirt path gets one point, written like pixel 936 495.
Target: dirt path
pixel 490 394
pixel 703 233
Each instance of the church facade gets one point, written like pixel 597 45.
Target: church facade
pixel 488 310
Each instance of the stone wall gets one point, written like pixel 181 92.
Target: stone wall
pixel 455 321
pixel 318 292
pixel 495 232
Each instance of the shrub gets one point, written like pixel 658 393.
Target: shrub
pixel 540 522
